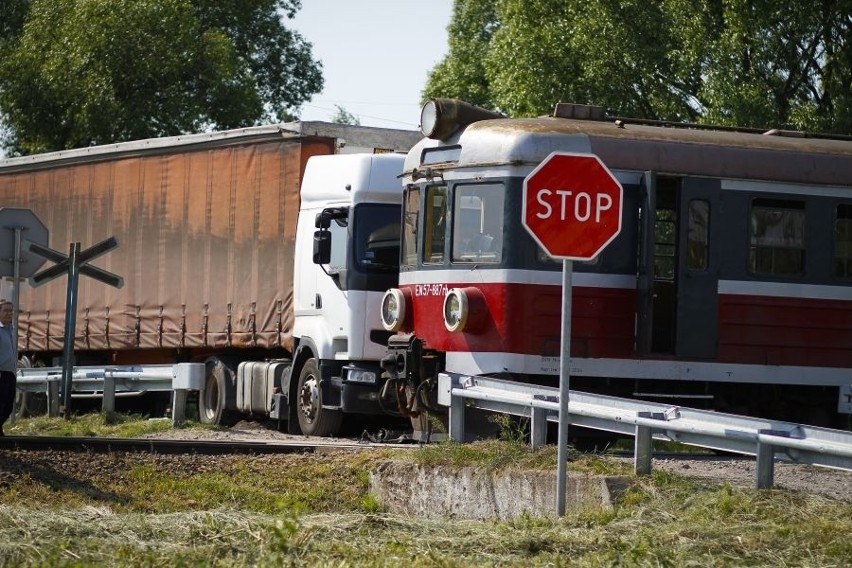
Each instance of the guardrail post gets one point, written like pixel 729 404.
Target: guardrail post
pixel 642 450
pixel 538 427
pixel 108 403
pixel 185 377
pixel 456 418
pixel 53 397
pixel 179 407
pixel 765 469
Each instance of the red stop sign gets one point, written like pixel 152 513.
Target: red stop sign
pixel 572 205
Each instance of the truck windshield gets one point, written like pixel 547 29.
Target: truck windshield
pixel 376 238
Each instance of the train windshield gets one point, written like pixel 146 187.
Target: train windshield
pixel 478 223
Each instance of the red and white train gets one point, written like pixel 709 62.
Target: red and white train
pixel 729 286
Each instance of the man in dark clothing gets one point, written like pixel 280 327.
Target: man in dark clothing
pixel 8 376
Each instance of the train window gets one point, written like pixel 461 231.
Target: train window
pixel 410 214
pixel 435 224
pixel 664 244
pixel 478 223
pixel 697 233
pixel 777 237
pixel 843 241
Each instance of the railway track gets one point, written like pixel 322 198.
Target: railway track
pixel 171 446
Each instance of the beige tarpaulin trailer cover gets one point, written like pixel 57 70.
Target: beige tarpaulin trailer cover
pixel 205 226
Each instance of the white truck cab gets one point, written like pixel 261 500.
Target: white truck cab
pixel 346 256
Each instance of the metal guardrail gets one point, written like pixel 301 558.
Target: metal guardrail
pixel 116 380
pixel 766 439
pixel 128 378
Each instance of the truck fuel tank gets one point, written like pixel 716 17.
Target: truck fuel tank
pixel 256 384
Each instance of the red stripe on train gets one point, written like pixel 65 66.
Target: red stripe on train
pixel 526 319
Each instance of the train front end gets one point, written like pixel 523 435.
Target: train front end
pixel 477 295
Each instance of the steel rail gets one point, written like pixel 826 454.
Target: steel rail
pixel 172 446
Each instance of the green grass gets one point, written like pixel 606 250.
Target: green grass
pixel 106 425
pixel 685 525
pixel 493 455
pixel 315 510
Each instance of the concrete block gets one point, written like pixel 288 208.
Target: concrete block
pixel 471 493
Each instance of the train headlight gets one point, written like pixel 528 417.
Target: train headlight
pixel 393 309
pixel 440 118
pixel 465 309
pixel 456 310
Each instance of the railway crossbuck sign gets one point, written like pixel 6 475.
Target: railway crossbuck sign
pixel 572 206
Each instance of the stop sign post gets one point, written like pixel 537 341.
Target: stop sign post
pixel 572 208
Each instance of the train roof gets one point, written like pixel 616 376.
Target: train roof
pixel 623 145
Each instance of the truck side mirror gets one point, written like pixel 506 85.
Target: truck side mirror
pixel 322 247
pixel 323 219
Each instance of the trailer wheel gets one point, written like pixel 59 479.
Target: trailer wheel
pixel 28 404
pixel 216 401
pixel 314 420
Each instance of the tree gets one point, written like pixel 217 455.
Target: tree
pixel 523 56
pixel 462 74
pixel 740 62
pixel 83 72
pixel 12 21
pixel 343 116
pixel 780 64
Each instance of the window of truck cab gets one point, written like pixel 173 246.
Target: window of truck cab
pixel 377 237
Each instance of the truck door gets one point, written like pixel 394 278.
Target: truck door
pixel 697 275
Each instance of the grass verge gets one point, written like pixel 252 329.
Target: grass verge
pixel 314 510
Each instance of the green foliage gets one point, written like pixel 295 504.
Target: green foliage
pixel 780 64
pixel 343 116
pixel 83 72
pixel 462 73
pixel 739 63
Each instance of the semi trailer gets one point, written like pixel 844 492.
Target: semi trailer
pixel 262 252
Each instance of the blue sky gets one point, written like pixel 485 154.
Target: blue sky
pixel 375 54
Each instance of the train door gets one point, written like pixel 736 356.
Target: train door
pixel 677 269
pixel 697 272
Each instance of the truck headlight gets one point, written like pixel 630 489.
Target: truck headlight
pixel 361 376
pixel 393 309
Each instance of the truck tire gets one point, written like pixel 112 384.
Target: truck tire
pixel 218 399
pixel 314 420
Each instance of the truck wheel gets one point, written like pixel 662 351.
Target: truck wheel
pixel 216 401
pixel 314 420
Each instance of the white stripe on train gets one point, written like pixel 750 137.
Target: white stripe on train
pixel 623 281
pixel 481 363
